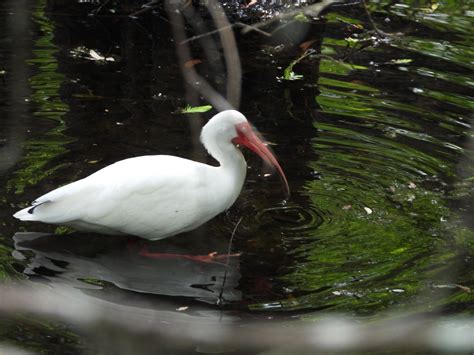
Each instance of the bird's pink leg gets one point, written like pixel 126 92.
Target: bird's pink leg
pixel 213 257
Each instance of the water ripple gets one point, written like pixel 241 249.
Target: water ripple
pixel 291 218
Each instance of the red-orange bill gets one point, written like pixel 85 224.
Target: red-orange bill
pixel 248 138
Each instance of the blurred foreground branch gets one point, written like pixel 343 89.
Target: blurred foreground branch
pixel 101 319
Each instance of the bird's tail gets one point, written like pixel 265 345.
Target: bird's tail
pixel 27 214
pixel 24 215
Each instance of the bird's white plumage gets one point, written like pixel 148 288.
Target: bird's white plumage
pixel 151 196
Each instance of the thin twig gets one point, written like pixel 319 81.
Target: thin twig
pixel 190 39
pixel 374 26
pixel 253 28
pixel 144 9
pixel 236 24
pixel 219 300
pixel 100 8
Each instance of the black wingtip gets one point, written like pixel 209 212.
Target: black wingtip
pixel 32 209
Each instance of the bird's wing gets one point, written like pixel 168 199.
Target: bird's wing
pixel 155 196
pixel 124 192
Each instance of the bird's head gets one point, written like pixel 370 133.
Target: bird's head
pixel 232 126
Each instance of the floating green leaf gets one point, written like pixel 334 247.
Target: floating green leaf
pixel 401 61
pixel 196 109
pixel 288 73
pixel 291 75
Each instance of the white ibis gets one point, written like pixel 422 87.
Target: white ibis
pixel 158 196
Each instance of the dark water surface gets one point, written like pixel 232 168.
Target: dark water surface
pixel 372 128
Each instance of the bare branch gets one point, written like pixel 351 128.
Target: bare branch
pixel 231 53
pixel 191 77
pixel 236 24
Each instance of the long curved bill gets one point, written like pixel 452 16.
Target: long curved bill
pixel 247 137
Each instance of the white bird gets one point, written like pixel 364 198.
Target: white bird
pixel 158 196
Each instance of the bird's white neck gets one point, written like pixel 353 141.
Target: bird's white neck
pixel 230 158
pixel 217 136
pixel 226 153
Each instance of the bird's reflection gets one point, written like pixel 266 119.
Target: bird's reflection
pixel 178 267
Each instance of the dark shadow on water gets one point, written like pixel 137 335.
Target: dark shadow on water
pixel 178 267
